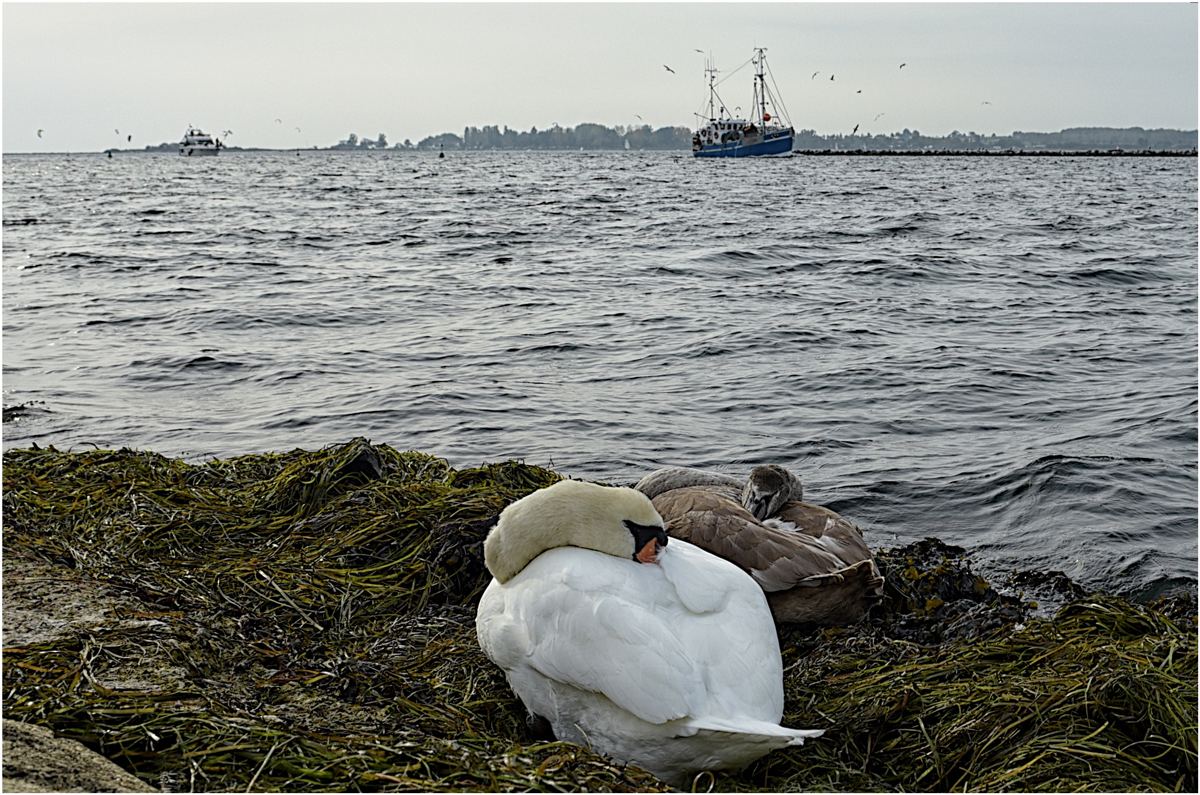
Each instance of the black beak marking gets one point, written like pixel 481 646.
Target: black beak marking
pixel 644 533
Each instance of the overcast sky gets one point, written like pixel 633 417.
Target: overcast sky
pixel 79 72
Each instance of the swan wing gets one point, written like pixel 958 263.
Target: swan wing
pixel 835 533
pixel 584 618
pixel 730 633
pixel 775 558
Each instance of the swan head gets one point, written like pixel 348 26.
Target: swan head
pixel 768 488
pixel 617 521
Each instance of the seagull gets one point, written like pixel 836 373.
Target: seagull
pixel 279 121
pixel 118 132
pixel 877 117
pixel 814 77
pixel 700 51
pixel 985 103
pixel 297 129
pixel 903 64
pixel 129 138
pixel 669 69
pixel 639 117
pixel 859 91
pixel 831 77
pixel 854 130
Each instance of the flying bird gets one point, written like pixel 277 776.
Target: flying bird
pixel 279 121
pixel 903 64
pixel 877 117
pixel 639 117
pixel 128 137
pixel 118 132
pixel 297 129
pixel 227 132
pixel 985 103
pixel 814 77
pixel 859 91
pixel 669 69
pixel 700 51
pixel 831 77
pixel 854 130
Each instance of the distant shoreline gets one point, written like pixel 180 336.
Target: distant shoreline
pixel 1085 141
pixel 806 152
pixel 1007 153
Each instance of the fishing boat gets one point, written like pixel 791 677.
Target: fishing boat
pixel 763 133
pixel 197 142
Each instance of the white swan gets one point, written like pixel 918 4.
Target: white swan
pixel 660 655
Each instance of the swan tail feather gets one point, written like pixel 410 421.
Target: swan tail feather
pixel 764 731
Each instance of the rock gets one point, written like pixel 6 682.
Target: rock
pixel 37 761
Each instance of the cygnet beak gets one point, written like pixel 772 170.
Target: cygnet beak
pixel 757 504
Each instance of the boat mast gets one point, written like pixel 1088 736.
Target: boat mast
pixel 760 89
pixel 711 69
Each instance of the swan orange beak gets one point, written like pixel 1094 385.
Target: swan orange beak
pixel 648 539
pixel 649 553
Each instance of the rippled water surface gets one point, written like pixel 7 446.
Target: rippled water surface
pixel 1000 352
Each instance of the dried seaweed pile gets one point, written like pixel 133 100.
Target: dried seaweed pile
pixel 310 627
pixel 1102 698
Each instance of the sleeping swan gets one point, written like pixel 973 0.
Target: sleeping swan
pixel 659 655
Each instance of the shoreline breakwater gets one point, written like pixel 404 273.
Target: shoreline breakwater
pixel 305 622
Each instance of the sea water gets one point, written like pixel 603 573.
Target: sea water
pixel 999 352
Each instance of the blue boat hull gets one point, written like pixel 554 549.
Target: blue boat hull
pixel 777 144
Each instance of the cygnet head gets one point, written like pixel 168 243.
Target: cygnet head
pixel 617 521
pixel 768 488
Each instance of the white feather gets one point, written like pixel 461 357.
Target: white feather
pixel 779 524
pixel 673 666
pixel 828 543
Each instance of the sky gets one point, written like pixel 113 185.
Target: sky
pixel 284 75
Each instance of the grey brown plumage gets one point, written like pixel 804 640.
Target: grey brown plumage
pixel 803 580
pixel 668 478
pixel 836 534
pixel 715 521
pixel 812 564
pixel 768 488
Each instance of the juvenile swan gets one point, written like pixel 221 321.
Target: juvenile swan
pixel 669 478
pixel 812 563
pixel 653 653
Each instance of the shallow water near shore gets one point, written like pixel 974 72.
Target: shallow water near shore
pixel 997 352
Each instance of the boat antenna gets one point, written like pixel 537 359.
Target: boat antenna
pixel 714 99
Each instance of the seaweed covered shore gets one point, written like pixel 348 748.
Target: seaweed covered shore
pixel 305 622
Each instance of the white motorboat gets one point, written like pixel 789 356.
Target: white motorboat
pixel 197 142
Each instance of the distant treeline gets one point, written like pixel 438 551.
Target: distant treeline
pixel 353 142
pixel 597 136
pixel 1072 139
pixel 585 136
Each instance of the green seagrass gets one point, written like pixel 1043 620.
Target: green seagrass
pixel 309 626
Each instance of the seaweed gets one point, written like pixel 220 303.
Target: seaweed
pixel 309 626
